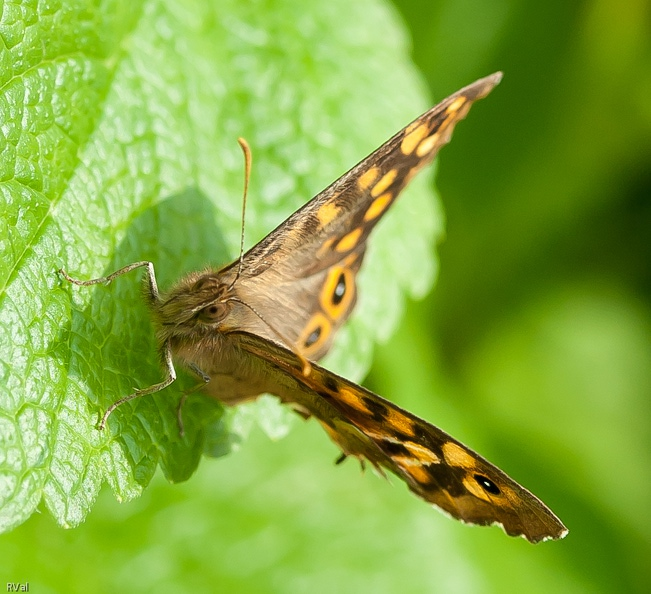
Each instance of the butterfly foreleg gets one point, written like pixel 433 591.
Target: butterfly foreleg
pixel 171 377
pixel 105 280
pixel 152 288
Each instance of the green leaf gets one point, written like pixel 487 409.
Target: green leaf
pixel 119 144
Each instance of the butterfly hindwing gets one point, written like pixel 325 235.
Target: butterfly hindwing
pixel 435 466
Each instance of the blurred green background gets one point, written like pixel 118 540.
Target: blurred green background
pixel 534 348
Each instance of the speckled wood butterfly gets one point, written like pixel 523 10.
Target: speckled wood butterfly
pixel 257 325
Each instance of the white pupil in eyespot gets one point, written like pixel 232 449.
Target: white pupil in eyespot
pixel 340 290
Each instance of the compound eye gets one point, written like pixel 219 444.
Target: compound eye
pixel 212 313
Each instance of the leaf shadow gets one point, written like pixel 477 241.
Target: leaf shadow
pixel 111 348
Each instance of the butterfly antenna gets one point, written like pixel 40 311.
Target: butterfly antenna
pixel 247 174
pixel 305 364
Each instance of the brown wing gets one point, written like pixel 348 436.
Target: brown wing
pixel 302 275
pixel 435 466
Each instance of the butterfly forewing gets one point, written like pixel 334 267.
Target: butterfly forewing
pixel 302 275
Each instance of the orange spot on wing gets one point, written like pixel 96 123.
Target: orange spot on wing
pixel 353 400
pixel 349 241
pixel 378 206
pixel 456 104
pixel 417 472
pixel 327 244
pixel 385 181
pixel 427 145
pixel 367 178
pixel 423 454
pixel 413 137
pixel 327 213
pixel 396 420
pixel 349 260
pixel 455 455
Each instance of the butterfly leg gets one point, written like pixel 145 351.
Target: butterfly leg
pixel 362 462
pixel 167 350
pixel 151 277
pixel 171 377
pixel 179 411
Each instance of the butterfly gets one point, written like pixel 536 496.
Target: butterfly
pixel 260 324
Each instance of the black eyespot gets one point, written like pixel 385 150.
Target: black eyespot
pixel 340 290
pixel 487 484
pixel 313 337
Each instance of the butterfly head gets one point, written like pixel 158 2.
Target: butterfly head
pixel 198 303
